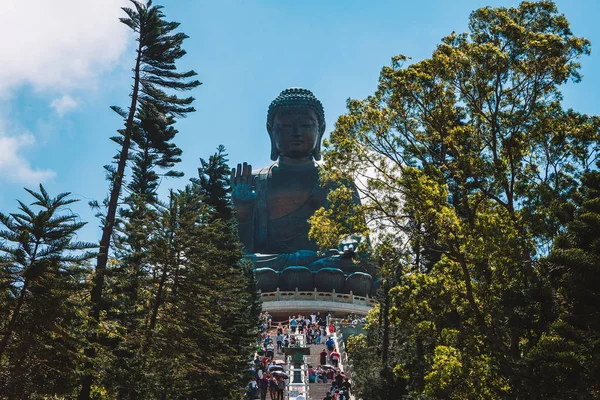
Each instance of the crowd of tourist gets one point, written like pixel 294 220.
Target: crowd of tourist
pixel 317 331
pixel 340 385
pixel 313 327
pixel 268 376
pixel 354 319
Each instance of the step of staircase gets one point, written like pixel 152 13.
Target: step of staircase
pixel 317 391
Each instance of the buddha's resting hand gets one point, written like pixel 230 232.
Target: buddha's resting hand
pixel 244 193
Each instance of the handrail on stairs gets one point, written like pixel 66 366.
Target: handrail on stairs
pixel 345 363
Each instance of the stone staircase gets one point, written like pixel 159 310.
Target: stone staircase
pixel 317 391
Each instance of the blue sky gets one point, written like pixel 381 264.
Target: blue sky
pixel 67 61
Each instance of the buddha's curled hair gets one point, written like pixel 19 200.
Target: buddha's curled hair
pixel 296 97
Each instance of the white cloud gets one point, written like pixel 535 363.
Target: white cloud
pixel 56 47
pixel 13 166
pixel 59 44
pixel 64 104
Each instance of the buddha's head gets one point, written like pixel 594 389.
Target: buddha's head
pixel 296 123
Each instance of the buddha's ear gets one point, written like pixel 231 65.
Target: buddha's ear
pixel 317 151
pixel 274 152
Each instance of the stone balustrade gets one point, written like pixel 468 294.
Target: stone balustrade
pixel 298 300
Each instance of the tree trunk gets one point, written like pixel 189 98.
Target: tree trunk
pixel 107 230
pixel 386 325
pixel 13 320
pixel 155 309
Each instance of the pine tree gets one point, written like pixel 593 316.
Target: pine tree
pixel 154 71
pixel 213 184
pixel 195 302
pixel 240 304
pixel 567 358
pixel 135 279
pixel 204 307
pixel 44 278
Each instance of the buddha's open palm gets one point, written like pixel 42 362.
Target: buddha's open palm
pixel 244 193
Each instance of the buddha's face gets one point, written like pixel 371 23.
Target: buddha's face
pixel 295 132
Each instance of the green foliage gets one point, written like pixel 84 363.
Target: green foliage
pixel 204 311
pixel 568 351
pixel 237 308
pixel 469 167
pixel 343 203
pixel 181 307
pixel 147 139
pixel 371 379
pixel 173 313
pixel 213 184
pixel 43 287
pixel 131 283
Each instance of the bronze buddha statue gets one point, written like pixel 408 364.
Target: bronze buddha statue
pixel 274 203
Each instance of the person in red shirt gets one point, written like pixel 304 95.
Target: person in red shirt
pixel 264 362
pixel 335 358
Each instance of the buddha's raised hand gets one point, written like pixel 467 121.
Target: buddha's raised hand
pixel 244 194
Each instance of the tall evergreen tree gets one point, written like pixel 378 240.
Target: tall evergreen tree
pixel 134 279
pixel 240 304
pixel 201 304
pixel 43 279
pixel 204 313
pixel 154 71
pixel 213 184
pixel 198 343
pixel 567 358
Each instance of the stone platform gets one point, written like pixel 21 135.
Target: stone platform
pixel 305 302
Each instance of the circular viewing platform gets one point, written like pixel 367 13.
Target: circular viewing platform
pixel 299 301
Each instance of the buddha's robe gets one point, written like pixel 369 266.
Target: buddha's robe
pixel 287 196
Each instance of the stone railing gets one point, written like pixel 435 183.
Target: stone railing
pixel 340 341
pixel 318 296
pixel 340 344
